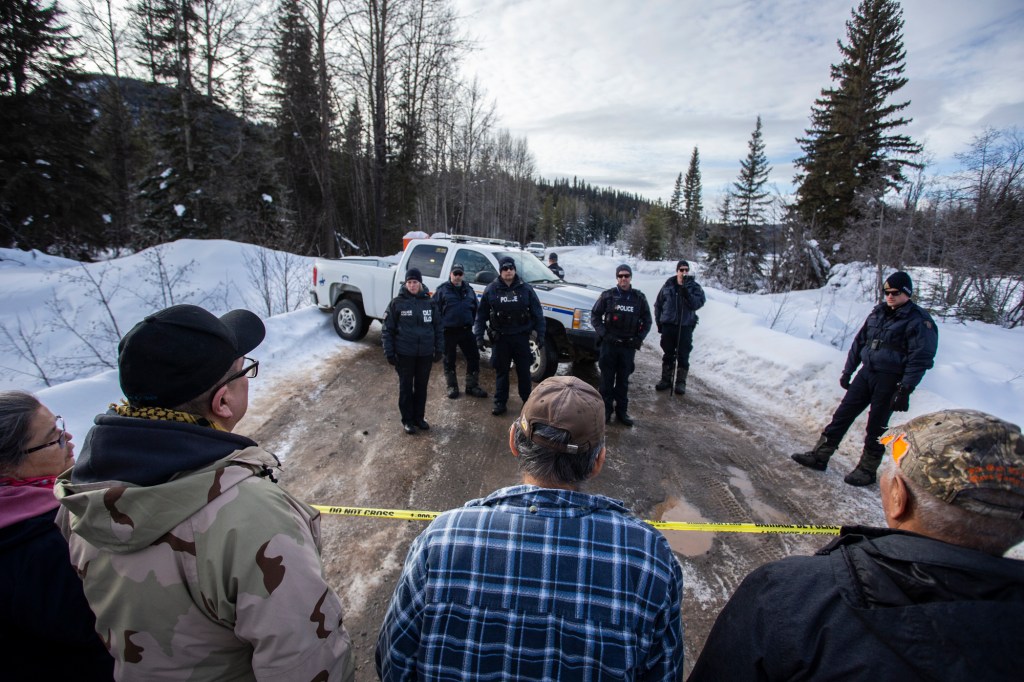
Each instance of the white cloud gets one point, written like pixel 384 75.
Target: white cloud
pixel 619 93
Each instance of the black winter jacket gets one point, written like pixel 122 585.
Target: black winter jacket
pixel 457 304
pixel 875 604
pixel 47 631
pixel 412 325
pixel 677 304
pixel 510 309
pixel 621 315
pixel 902 342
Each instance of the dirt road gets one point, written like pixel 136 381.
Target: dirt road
pixel 687 459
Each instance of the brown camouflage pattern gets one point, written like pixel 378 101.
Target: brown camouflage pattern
pixel 953 451
pixel 214 575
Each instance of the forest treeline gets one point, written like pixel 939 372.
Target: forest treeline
pixel 305 125
pixel 325 126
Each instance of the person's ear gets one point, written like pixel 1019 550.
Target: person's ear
pixel 220 405
pixel 897 502
pixel 598 464
pixel 512 439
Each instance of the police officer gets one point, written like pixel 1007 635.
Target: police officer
pixel 554 267
pixel 456 301
pixel 510 311
pixel 412 340
pixel 622 319
pixel 675 312
pixel 896 346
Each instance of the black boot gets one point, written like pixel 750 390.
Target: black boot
pixel 818 456
pixel 666 377
pixel 624 417
pixel 453 384
pixel 499 408
pixel 681 380
pixel 473 385
pixel 864 474
pixel 607 415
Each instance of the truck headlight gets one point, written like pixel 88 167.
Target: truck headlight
pixel 581 320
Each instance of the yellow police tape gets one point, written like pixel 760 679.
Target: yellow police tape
pixel 797 529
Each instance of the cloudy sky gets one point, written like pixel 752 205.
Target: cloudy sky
pixel 619 92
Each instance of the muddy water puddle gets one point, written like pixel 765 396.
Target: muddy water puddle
pixel 686 542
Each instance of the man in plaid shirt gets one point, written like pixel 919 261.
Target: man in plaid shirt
pixel 539 581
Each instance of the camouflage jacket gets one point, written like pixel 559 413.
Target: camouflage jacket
pixel 212 575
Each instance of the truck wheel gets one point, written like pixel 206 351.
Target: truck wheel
pixel 545 363
pixel 349 320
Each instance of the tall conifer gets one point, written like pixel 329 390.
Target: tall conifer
pixel 852 143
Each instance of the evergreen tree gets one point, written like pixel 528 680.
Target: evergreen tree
pixel 693 204
pixel 749 212
pixel 48 192
pixel 656 224
pixel 675 211
pixel 296 115
pixel 852 142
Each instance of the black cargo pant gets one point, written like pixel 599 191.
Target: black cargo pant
pixel 413 377
pixel 461 337
pixel 507 348
pixel 616 364
pixel 676 344
pixel 872 390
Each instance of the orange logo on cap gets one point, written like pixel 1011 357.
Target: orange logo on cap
pixel 899 443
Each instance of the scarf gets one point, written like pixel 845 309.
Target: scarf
pixel 123 409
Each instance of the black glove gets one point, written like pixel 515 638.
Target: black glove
pixel 844 381
pixel 438 355
pixel 392 360
pixel 480 345
pixel 638 344
pixel 901 398
pixel 659 328
pixel 540 343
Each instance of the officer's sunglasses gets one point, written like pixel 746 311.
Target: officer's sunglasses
pixel 507 267
pixel 624 275
pixel 892 292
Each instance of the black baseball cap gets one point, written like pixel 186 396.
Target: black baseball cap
pixel 174 355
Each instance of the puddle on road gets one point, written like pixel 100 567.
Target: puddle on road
pixel 685 542
pixel 763 512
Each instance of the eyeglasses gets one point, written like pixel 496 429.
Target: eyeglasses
pixel 458 274
pixel 892 292
pixel 507 267
pixel 62 437
pixel 624 275
pixel 251 371
pixel 683 270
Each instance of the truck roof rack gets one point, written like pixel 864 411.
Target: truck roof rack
pixel 466 238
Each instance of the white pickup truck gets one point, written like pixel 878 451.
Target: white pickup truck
pixel 357 291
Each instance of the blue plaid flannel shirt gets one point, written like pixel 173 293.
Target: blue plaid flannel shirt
pixel 535 584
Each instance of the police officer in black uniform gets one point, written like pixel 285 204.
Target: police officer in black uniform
pixel 896 346
pixel 510 311
pixel 457 302
pixel 412 339
pixel 675 313
pixel 622 319
pixel 554 267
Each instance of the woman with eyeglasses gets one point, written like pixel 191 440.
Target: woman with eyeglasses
pixel 47 630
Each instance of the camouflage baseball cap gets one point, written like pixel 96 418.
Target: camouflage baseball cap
pixel 963 457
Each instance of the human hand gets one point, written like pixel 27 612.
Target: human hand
pixel 392 360
pixel 480 345
pixel 844 381
pixel 437 356
pixel 901 398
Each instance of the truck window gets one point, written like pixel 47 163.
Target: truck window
pixel 475 263
pixel 428 259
